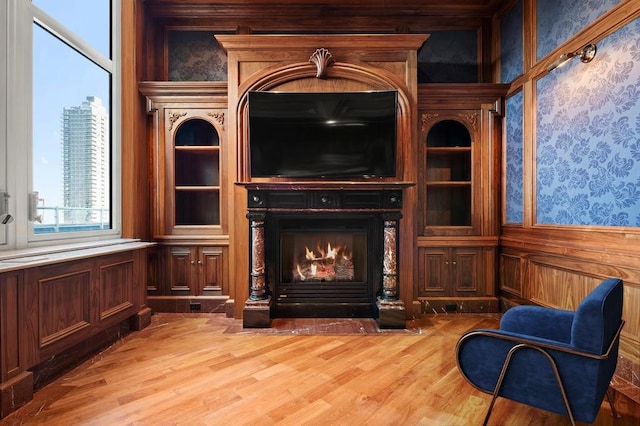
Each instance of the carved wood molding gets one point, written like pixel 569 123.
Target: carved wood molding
pixel 427 120
pixel 471 118
pixel 218 116
pixel 323 59
pixel 175 116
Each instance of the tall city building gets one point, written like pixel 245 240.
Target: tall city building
pixel 85 156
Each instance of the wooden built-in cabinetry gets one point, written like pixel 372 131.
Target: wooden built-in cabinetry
pixel 190 210
pixel 195 270
pixel 458 205
pixel 450 271
pixel 449 146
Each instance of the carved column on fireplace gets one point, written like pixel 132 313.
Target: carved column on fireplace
pixel 390 307
pixel 256 222
pixel 258 307
pixel 390 261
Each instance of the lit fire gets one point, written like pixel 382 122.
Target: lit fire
pixel 330 264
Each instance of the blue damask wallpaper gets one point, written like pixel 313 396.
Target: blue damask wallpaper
pixel 511 52
pixel 588 137
pixel 558 20
pixel 196 56
pixel 514 159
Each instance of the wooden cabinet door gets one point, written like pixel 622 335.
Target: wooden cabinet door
pixel 465 270
pixel 181 272
pixel 450 272
pixel 434 271
pixel 210 270
pixel 195 271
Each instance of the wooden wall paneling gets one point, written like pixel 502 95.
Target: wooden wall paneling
pixel 9 344
pixel 511 274
pixel 344 16
pixel 28 313
pixel 153 276
pixel 563 282
pixel 134 151
pixel 492 165
pixel 489 279
pixel 65 298
pixel 116 287
pixel 145 272
pixel 16 383
pixel 49 309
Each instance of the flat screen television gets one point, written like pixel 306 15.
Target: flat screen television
pixel 322 134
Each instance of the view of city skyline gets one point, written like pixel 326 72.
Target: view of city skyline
pixel 62 79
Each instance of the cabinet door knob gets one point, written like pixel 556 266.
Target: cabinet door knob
pixel 199 262
pixel 455 263
pixel 193 262
pixel 446 263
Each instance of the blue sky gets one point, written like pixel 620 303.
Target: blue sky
pixel 64 78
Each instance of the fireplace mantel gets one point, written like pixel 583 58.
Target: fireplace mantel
pixel 325 185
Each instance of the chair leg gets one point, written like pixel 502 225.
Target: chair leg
pixel 496 390
pixel 614 412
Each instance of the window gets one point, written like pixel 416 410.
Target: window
pixel 62 139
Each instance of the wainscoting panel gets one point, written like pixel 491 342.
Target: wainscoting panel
pixel 116 293
pixel 64 305
pixel 557 287
pixel 511 274
pixel 9 344
pixel 562 283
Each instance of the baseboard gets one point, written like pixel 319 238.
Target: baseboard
pixel 444 305
pixel 185 304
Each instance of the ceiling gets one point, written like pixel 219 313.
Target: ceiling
pixel 329 15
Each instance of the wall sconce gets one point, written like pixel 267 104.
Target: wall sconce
pixel 586 55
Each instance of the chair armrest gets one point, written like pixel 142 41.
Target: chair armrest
pixel 535 321
pixel 481 353
pixel 518 338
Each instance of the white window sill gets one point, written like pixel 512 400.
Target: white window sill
pixel 31 257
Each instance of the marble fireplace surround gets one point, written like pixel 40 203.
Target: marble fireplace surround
pixel 364 202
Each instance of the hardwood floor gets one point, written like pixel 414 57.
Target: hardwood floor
pixel 204 369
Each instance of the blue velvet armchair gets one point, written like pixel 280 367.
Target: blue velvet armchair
pixel 556 360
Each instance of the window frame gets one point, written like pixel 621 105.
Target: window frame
pixel 21 16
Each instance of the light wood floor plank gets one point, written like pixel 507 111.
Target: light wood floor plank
pixel 206 370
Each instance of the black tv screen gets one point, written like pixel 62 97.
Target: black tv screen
pixel 322 134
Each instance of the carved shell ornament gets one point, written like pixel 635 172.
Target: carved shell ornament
pixel 322 58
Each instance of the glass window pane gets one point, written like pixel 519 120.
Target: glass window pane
pixel 89 19
pixel 71 143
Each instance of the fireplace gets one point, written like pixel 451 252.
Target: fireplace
pixel 325 250
pixel 323 265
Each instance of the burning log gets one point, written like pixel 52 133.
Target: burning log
pixel 327 266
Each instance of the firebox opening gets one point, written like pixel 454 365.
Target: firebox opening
pixel 324 264
pixel 312 256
